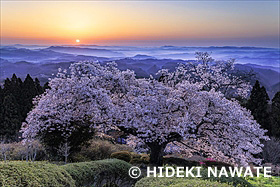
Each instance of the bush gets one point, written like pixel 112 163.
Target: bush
pixel 108 172
pixel 135 155
pixel 176 182
pixel 18 151
pixel 97 149
pixel 122 155
pixel 132 157
pixel 145 158
pixel 77 157
pixel 137 159
pixel 35 174
pixel 219 165
pixel 179 162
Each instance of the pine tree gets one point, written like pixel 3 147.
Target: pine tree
pixel 11 118
pixel 13 87
pixel 39 88
pixel 1 105
pixel 15 102
pixel 258 105
pixel 29 92
pixel 275 115
pixel 46 86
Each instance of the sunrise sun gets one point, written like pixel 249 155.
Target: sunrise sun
pixel 77 41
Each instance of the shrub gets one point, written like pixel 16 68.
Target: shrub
pixel 35 174
pixel 179 162
pixel 219 165
pixel 136 161
pixel 18 151
pixel 132 157
pixel 176 182
pixel 97 149
pixel 77 157
pixel 122 155
pixel 140 160
pixel 145 158
pixel 108 172
pixel 135 155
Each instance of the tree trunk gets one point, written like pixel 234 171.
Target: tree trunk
pixel 34 156
pixel 156 156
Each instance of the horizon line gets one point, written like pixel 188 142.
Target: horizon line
pixel 113 45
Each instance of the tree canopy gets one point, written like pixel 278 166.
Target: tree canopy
pixel 173 108
pixel 15 102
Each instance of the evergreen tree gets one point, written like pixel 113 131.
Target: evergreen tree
pixel 258 105
pixel 46 86
pixel 1 105
pixel 15 102
pixel 39 88
pixel 275 115
pixel 29 92
pixel 11 118
pixel 13 86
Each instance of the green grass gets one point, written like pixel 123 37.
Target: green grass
pixel 210 181
pixel 177 182
pixel 234 181
pixel 264 181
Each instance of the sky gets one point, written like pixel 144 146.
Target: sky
pixel 151 23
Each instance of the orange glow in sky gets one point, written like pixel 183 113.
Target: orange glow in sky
pixel 120 22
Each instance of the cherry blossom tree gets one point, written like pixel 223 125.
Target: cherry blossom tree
pixel 158 114
pixel 175 108
pixel 76 104
pixel 218 75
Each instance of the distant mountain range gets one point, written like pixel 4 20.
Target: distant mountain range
pixel 268 77
pixel 86 51
pixel 43 61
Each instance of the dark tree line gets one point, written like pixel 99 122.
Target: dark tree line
pixel 265 112
pixel 15 102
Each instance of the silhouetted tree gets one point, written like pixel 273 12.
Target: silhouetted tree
pixel 11 118
pixel 275 115
pixel 1 105
pixel 29 91
pixel 46 86
pixel 39 88
pixel 15 102
pixel 258 105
